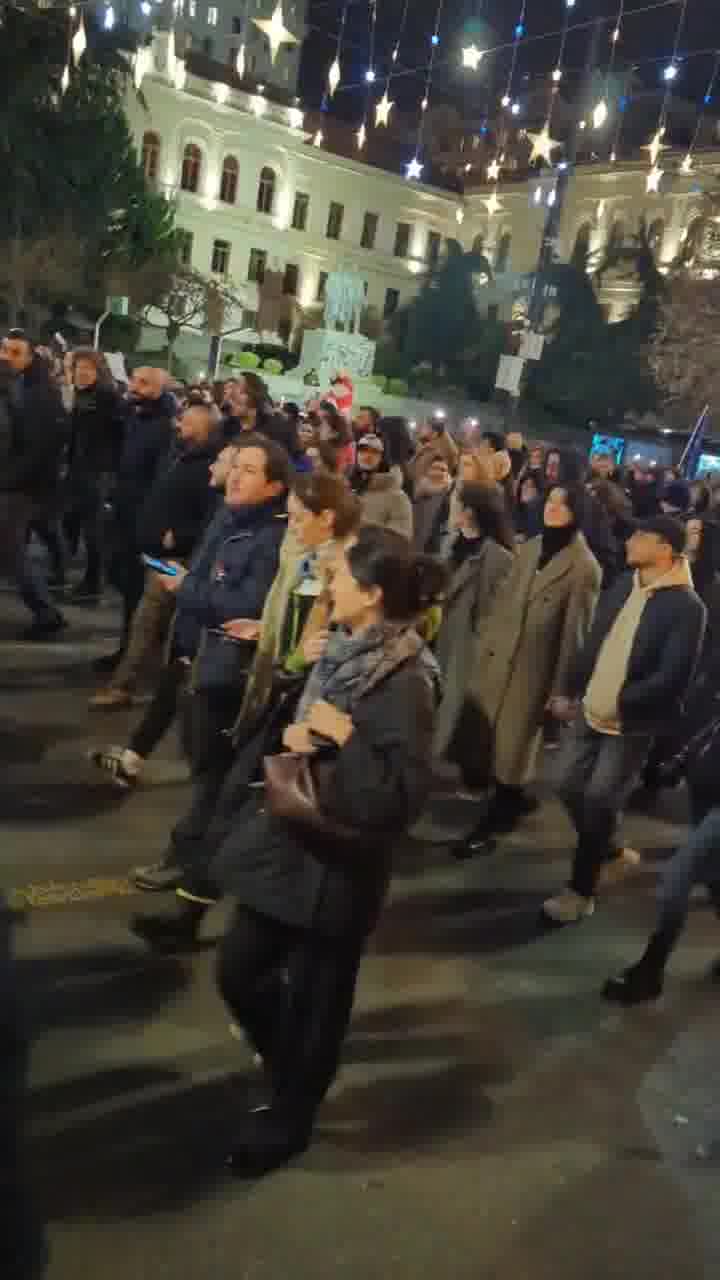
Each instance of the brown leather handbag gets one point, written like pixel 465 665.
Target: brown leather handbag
pixel 291 794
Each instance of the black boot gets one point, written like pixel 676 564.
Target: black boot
pixel 637 985
pixel 172 932
pixel 270 1137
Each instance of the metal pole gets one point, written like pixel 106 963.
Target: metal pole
pixel 98 327
pixel 553 221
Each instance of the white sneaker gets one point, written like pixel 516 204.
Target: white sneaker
pixel 568 907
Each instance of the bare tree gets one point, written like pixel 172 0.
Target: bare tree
pixel 36 271
pixel 683 353
pixel 189 299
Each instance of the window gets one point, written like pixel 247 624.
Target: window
pixel 502 253
pixel 322 284
pixel 266 191
pixel 229 180
pixel 369 231
pixel 208 47
pixel 184 242
pixel 257 265
pixel 191 165
pixel 433 248
pixel 300 211
pixel 150 155
pixel 336 214
pixel 237 26
pixel 402 240
pixel 220 257
pixel 292 279
pixel 392 302
pixel 212 15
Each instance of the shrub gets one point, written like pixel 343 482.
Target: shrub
pixel 273 366
pixel 397 387
pixel 247 360
pixel 379 380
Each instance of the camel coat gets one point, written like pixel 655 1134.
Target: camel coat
pixel 540 622
pixel 469 602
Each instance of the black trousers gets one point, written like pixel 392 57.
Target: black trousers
pixel 84 517
pixel 162 710
pixel 208 715
pixel 298 1027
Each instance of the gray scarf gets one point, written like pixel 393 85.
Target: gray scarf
pixel 351 663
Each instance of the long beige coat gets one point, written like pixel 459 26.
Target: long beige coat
pixel 540 621
pixel 471 596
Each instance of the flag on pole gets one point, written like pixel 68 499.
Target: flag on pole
pixel 693 449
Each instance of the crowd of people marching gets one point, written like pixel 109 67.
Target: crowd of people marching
pixel 335 610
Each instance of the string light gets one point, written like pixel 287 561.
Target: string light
pixel 240 62
pixel 687 163
pixel 542 144
pixel 361 136
pixel 79 41
pixel 109 19
pixel 65 79
pixel 318 139
pixel 655 147
pixel 600 114
pixel 335 72
pixel 413 171
pixel 670 72
pixel 472 57
pixel 383 109
pixel 493 204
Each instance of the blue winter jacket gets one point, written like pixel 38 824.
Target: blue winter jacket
pixel 231 572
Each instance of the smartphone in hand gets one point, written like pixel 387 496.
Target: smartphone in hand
pixel 160 566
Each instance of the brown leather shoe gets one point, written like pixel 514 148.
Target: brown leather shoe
pixel 110 699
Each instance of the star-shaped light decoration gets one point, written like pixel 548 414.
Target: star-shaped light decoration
pixel 493 169
pixel 65 80
pixel 142 63
pixel 413 170
pixel 361 136
pixel 459 215
pixel 542 145
pixel 687 164
pixel 240 61
pixel 655 146
pixel 472 57
pixel 276 31
pixel 334 75
pixel 600 211
pixel 652 182
pixel 383 109
pixel 318 139
pixel 295 117
pixel 493 205
pixel 600 114
pixel 79 41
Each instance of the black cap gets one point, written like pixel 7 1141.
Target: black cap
pixel 667 529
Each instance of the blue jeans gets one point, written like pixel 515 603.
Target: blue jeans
pixel 696 862
pixel 593 774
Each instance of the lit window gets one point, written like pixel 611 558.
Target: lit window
pixel 192 161
pixel 402 240
pixel 220 257
pixel 257 265
pixel 300 211
pixel 336 215
pixel 266 191
pixel 212 15
pixel 184 242
pixel 292 279
pixel 151 155
pixel 229 180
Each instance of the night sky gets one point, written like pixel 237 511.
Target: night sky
pixel 646 37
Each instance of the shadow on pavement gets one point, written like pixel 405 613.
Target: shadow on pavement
pixel 471 921
pixel 29 743
pixel 37 802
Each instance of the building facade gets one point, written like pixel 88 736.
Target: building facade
pixel 257 191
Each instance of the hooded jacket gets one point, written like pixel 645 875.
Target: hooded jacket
pixel 652 666
pixel 384 501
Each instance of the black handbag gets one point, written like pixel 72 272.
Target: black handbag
pixel 694 760
pixel 291 794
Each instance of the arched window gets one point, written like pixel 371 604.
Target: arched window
pixel 229 180
pixel 502 252
pixel 191 165
pixel 266 191
pixel 656 235
pixel 150 156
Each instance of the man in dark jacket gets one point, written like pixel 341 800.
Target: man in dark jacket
pixel 220 601
pixel 630 679
pixel 148 436
pixel 29 482
pixel 170 524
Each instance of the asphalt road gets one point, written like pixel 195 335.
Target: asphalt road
pixel 493 1119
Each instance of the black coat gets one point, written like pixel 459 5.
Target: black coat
pixel 379 782
pixel 97 432
pixel 38 433
pixel 180 500
pixel 663 658
pixel 148 436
